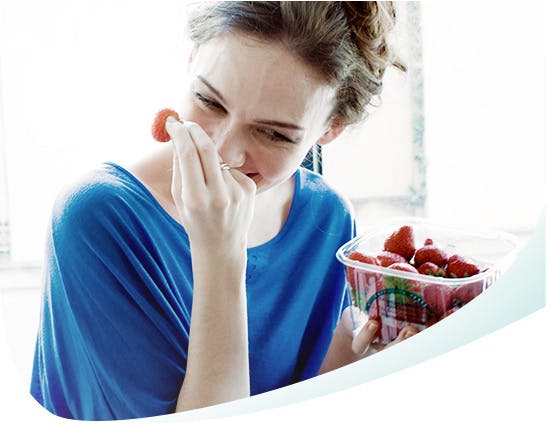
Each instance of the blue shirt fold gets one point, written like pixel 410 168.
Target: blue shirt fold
pixel 117 291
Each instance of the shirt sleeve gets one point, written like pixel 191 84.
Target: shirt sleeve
pixel 334 295
pixel 101 328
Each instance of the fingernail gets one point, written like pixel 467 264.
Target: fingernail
pixel 409 333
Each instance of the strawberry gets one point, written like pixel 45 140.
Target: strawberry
pixel 375 287
pixel 439 297
pixel 430 253
pixel 402 283
pixel 355 276
pixel 388 258
pixel 159 124
pixel 429 268
pixel 458 267
pixel 351 277
pixel 428 242
pixel 360 279
pixel 366 259
pixel 413 313
pixel 402 242
pixel 404 266
pixel 467 292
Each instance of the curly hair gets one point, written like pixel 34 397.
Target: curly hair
pixel 346 42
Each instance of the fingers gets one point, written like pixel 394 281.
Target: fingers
pixel 243 181
pixel 194 147
pixel 209 157
pixel 404 334
pixel 362 343
pixel 196 163
pixel 176 187
pixel 188 163
pixel 364 336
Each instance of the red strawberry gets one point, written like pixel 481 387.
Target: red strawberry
pixel 458 267
pixel 430 253
pixel 467 292
pixel 159 124
pixel 366 259
pixel 351 277
pixel 355 276
pixel 428 242
pixel 388 258
pixel 402 282
pixel 429 268
pixel 402 242
pixel 439 297
pixel 413 313
pixel 404 266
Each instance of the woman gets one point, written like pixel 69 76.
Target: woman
pixel 180 283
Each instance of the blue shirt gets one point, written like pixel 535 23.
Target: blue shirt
pixel 112 341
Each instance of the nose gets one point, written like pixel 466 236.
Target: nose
pixel 231 146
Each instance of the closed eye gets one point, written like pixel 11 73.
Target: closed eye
pixel 274 135
pixel 209 102
pixel 267 133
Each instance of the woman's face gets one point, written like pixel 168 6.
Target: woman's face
pixel 261 106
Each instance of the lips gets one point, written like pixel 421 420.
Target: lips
pixel 255 176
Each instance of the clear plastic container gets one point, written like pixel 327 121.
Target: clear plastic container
pixel 398 298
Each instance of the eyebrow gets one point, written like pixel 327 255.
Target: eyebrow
pixel 260 121
pixel 208 85
pixel 280 124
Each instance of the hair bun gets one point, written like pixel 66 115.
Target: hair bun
pixel 370 23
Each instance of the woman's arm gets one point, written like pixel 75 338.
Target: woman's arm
pixel 215 207
pixel 217 365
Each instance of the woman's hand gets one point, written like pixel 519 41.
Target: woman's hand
pixel 363 335
pixel 215 206
pixel 352 341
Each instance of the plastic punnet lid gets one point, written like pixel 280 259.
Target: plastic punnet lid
pixel 491 249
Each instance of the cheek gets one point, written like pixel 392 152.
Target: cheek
pixel 192 112
pixel 277 165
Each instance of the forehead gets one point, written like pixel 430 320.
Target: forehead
pixel 263 76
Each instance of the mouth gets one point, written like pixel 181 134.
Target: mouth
pixel 254 176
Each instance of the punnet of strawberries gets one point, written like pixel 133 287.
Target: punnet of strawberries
pixel 428 259
pixel 399 301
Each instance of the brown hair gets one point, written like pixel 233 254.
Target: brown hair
pixel 346 42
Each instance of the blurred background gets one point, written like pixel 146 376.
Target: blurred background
pixel 460 138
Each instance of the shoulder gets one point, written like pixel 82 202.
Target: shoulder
pixel 92 195
pixel 316 189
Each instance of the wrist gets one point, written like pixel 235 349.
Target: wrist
pixel 218 266
pixel 220 247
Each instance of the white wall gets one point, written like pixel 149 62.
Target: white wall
pixel 485 135
pixel 20 308
pixel 485 107
pixel 82 81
